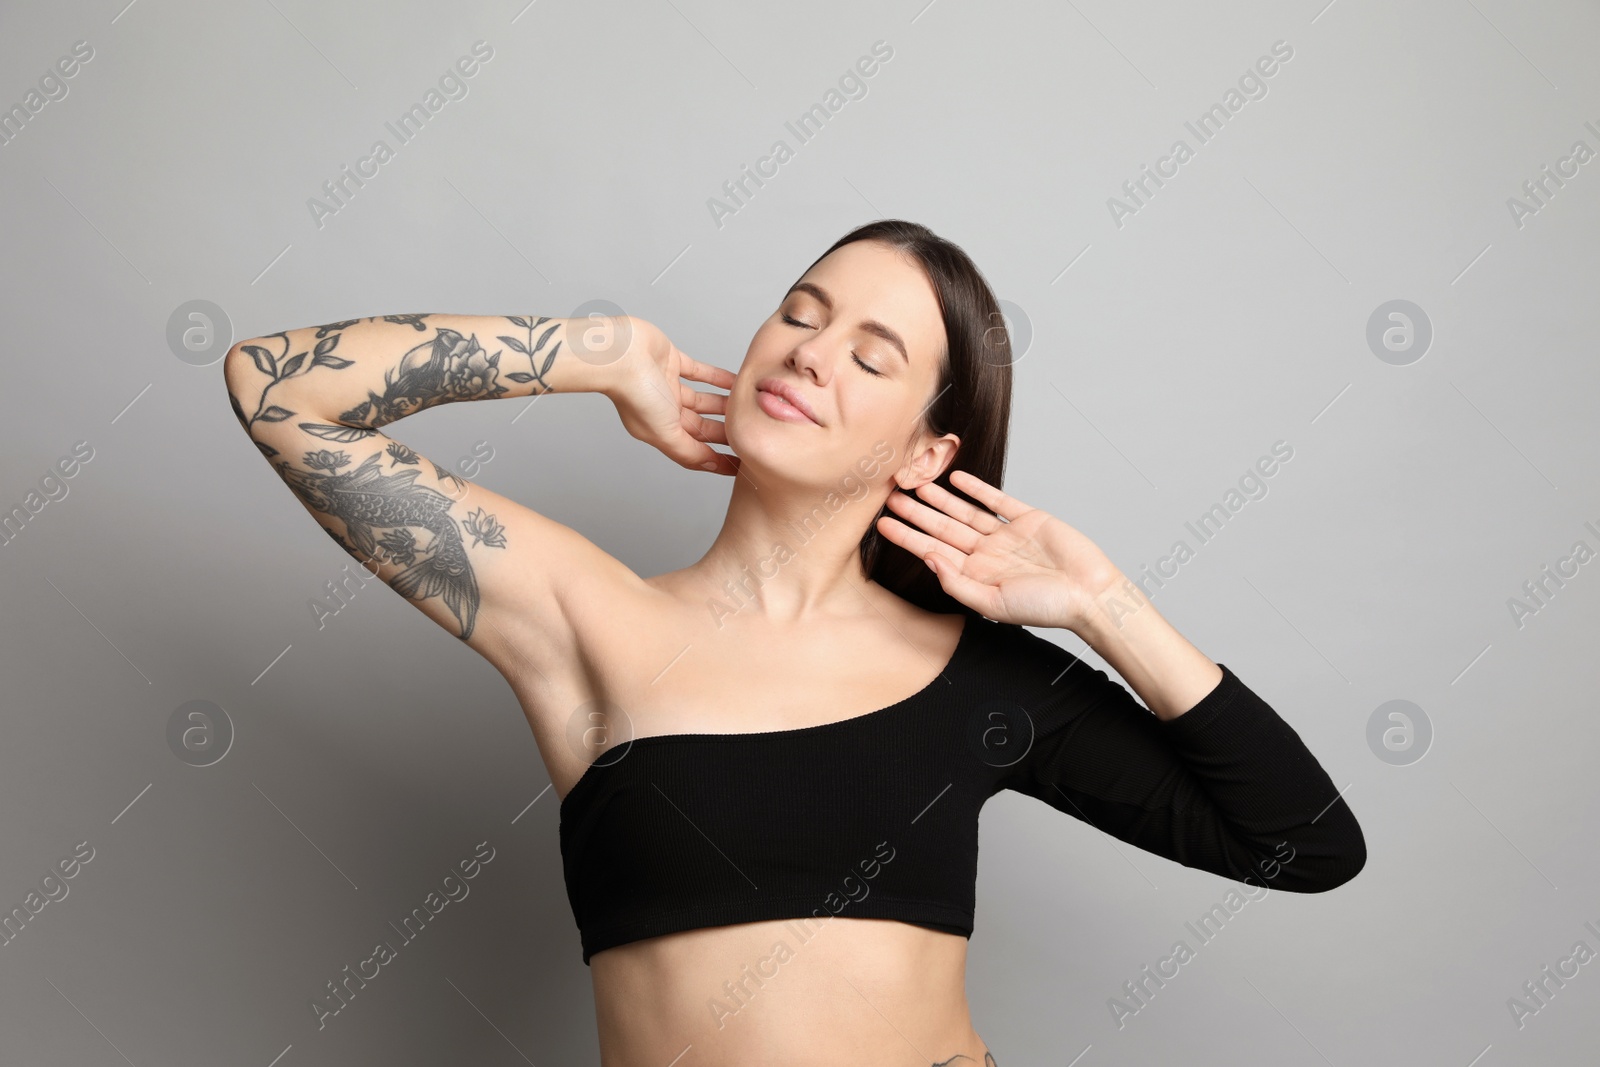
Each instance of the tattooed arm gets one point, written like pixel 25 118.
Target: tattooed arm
pixel 313 399
pixel 369 372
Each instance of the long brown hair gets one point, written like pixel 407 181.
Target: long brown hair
pixel 972 399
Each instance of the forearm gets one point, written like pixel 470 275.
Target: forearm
pixel 369 372
pixel 1167 672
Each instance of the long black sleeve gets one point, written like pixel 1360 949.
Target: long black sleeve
pixel 1226 787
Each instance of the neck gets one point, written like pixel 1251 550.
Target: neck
pixel 790 552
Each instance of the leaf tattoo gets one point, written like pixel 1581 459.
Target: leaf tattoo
pixel 441 474
pixel 532 349
pixel 281 368
pixel 342 434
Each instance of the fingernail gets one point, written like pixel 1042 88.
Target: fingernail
pixel 709 465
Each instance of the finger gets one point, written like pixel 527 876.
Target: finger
pixel 984 599
pixel 682 445
pixel 915 541
pixel 704 372
pixel 947 565
pixel 722 464
pixel 706 403
pixel 949 530
pixel 711 460
pixel 689 450
pixel 711 430
pixel 1007 507
pixel 959 509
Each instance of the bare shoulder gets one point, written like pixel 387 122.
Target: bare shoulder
pixel 612 624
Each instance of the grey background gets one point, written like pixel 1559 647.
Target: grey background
pixel 1167 356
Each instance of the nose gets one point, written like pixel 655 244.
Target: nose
pixel 811 359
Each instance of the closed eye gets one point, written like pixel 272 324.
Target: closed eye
pixel 870 370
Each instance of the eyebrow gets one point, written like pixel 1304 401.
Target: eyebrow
pixel 872 326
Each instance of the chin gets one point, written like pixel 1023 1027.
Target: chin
pixel 763 443
pixel 747 440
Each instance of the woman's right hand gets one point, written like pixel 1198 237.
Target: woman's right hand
pixel 666 413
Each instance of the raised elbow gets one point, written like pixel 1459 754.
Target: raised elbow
pixel 247 369
pixel 246 355
pixel 1337 870
pixel 1330 862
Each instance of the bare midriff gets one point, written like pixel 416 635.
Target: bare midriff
pixel 787 994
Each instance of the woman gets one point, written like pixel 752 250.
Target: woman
pixel 769 847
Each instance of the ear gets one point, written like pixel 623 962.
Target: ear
pixel 928 462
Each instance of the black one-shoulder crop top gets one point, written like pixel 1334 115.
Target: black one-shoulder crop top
pixel 876 816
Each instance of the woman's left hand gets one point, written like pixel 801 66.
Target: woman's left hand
pixel 1032 569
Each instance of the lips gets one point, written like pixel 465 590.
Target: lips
pixel 789 394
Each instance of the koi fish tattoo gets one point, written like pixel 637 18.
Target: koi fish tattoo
pixel 365 499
